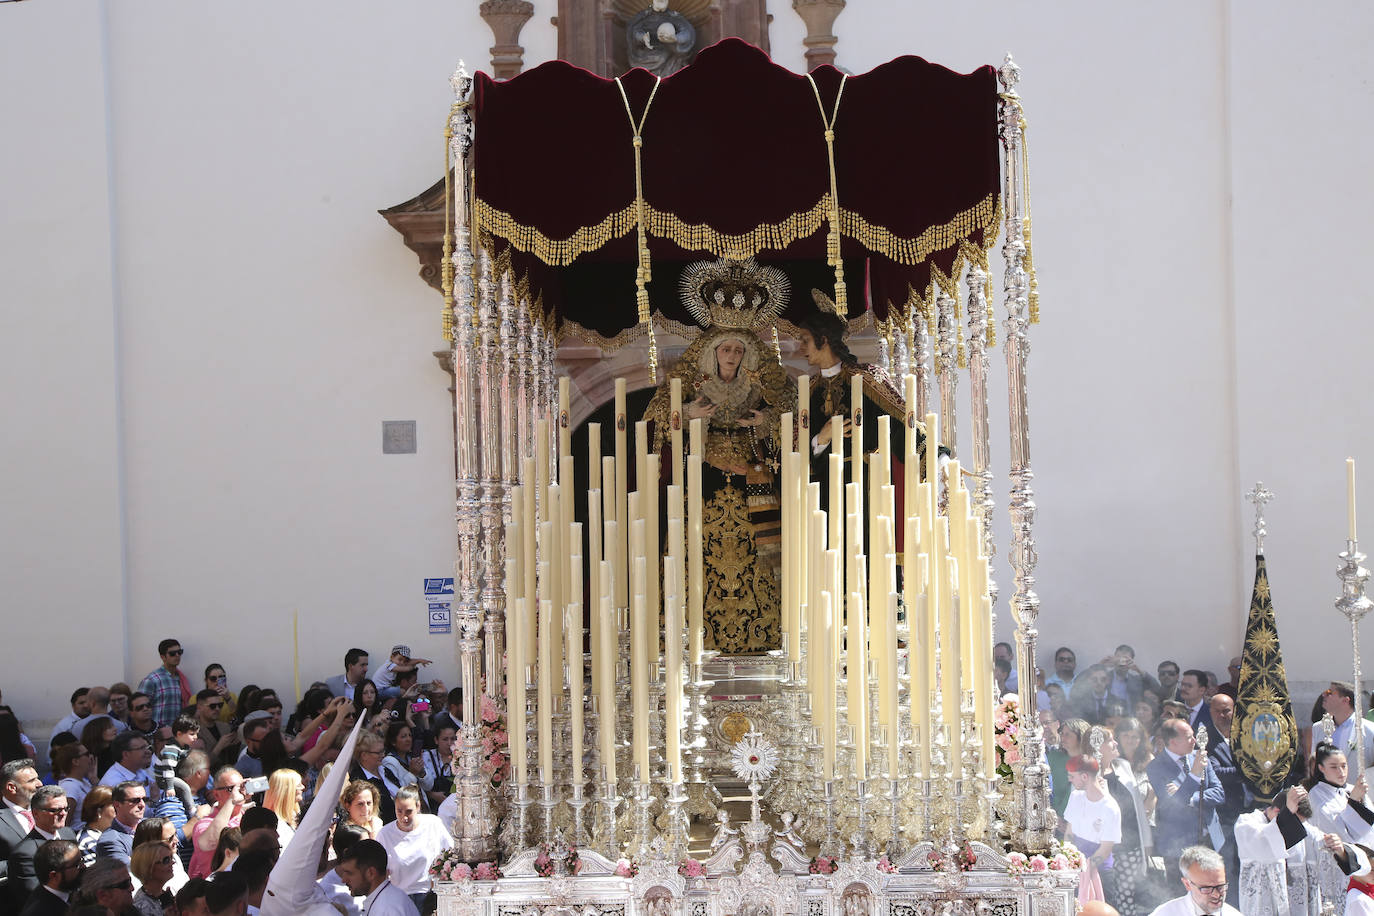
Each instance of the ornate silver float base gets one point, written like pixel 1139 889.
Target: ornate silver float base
pixel 857 888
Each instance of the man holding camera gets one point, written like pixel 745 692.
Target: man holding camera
pixel 230 801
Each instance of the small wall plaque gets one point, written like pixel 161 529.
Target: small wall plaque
pixel 398 437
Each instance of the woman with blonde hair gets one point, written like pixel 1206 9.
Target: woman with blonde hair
pixel 284 790
pixel 151 864
pixel 360 800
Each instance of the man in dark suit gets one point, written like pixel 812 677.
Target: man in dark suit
pixel 1090 694
pixel 18 781
pixel 117 842
pixel 1223 759
pixel 58 864
pixel 1189 794
pixel 49 807
pixel 1192 691
pixel 355 670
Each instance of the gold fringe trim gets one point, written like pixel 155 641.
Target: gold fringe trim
pixel 764 237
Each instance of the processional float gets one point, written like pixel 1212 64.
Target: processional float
pixel 880 768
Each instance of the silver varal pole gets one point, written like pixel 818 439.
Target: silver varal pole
pixel 473 786
pixel 1033 831
pixel 1354 604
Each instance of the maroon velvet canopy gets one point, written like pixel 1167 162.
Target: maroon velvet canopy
pixel 734 162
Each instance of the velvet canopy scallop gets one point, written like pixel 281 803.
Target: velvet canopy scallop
pixel 734 162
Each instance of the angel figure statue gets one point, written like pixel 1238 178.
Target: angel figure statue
pixel 733 382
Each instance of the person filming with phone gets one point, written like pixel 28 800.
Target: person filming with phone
pixel 230 801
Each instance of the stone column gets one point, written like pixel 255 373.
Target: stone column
pixel 819 16
pixel 506 18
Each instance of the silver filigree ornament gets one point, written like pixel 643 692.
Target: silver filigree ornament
pixel 754 758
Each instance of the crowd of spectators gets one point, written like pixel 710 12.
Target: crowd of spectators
pixel 176 799
pixel 1133 791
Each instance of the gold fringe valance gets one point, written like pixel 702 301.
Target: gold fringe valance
pixel 764 237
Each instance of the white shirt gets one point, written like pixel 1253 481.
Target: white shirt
pixel 396 774
pixel 1184 906
pixel 448 813
pixel 1344 738
pixel 410 853
pixel 118 773
pixel 65 724
pixel 385 676
pixel 1098 821
pixel 388 900
pixel 80 724
pixel 76 790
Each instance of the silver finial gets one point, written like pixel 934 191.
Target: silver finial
pixel 1202 738
pixel 1009 75
pixel 461 81
pixel 1259 495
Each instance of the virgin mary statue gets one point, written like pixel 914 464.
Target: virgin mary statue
pixel 733 381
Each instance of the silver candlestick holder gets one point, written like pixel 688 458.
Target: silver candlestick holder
pixel 994 827
pixel 606 831
pixel 1354 604
pixel 829 845
pixel 644 825
pixel 522 813
pixel 677 838
pixel 859 842
pixel 577 802
pixel 548 802
pixel 702 797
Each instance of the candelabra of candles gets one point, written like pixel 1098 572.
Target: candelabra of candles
pixel 885 719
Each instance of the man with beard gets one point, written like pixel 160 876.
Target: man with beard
pixel 59 869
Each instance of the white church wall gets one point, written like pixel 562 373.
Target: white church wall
pixel 62 576
pixel 254 320
pixel 1300 148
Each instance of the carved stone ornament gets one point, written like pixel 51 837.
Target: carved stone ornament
pixel 819 16
pixel 506 18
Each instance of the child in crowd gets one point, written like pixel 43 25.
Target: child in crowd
pixel 185 731
pixel 399 662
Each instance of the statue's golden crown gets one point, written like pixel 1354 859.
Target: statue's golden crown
pixel 734 294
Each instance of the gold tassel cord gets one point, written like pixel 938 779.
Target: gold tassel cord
pixel 836 260
pixel 643 269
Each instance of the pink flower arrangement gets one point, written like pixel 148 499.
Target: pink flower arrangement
pixel 543 865
pixel 824 865
pixel 486 871
pixel 1065 858
pixel 692 868
pixel 626 869
pixel 449 867
pixel 885 866
pixel 963 860
pixel 1007 723
pixel 490 712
